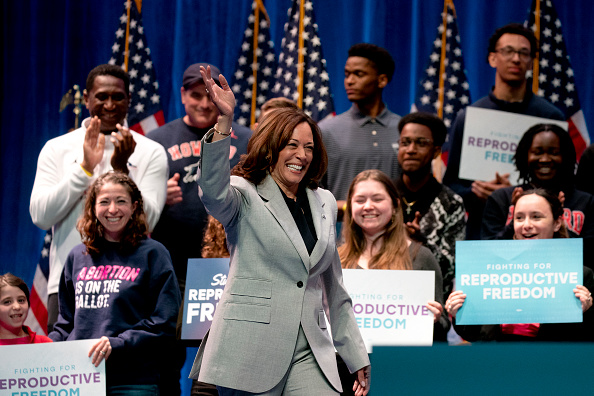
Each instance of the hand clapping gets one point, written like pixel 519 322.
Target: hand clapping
pixel 123 147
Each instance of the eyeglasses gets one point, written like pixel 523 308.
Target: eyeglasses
pixel 508 53
pixel 419 142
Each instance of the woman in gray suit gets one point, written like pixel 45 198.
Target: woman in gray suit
pixel 269 335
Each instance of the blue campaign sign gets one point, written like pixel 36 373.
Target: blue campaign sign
pixel 205 281
pixel 528 281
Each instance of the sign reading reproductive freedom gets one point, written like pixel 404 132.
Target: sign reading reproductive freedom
pixel 50 369
pixel 527 281
pixel 391 306
pixel 205 281
pixel 491 138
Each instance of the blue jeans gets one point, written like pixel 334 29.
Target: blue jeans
pixel 133 390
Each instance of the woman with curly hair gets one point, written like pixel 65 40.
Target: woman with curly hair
pixel 119 286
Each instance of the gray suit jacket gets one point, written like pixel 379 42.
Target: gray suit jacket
pixel 274 285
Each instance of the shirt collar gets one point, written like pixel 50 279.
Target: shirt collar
pixel 362 119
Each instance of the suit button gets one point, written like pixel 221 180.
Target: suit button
pixel 300 284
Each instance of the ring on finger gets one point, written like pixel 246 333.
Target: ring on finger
pixel 102 352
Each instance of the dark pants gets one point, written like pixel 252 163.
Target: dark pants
pixel 346 378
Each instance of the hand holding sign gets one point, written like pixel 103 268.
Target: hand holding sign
pixel 101 350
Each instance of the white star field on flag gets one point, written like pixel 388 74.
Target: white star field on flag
pixel 145 100
pixel 556 82
pixel 317 98
pixel 243 80
pixel 456 89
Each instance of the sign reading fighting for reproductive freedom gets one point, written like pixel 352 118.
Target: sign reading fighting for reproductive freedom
pixel 51 369
pixel 490 141
pixel 205 281
pixel 391 306
pixel 527 281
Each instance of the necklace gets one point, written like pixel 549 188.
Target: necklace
pixel 408 205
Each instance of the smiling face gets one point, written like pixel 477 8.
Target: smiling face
pixel 13 309
pixel 113 209
pixel 533 218
pixel 544 156
pixel 201 112
pixel 294 160
pixel 371 207
pixel 415 157
pixel 511 70
pixel 108 101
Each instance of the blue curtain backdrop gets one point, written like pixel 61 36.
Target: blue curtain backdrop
pixel 50 45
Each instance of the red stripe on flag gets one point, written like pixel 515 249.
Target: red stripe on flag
pixel 38 308
pixel 160 117
pixel 577 138
pixel 137 128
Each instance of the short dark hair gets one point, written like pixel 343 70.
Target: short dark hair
pixel 108 70
pixel 567 152
pixel 271 136
pixel 381 58
pixel 9 279
pixel 513 28
pixel 431 121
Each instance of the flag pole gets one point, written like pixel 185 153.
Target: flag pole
pixel 300 60
pixel 259 6
pixel 442 65
pixel 437 165
pixel 537 35
pixel 127 44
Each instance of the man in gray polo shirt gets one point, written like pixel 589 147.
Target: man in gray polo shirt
pixel 366 136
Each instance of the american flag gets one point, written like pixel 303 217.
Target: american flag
pixel 301 73
pixel 131 51
pixel 254 77
pixel 552 74
pixel 37 317
pixel 444 88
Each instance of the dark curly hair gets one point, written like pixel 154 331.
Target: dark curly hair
pixel 566 175
pixel 214 243
pixel 271 136
pixel 91 229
